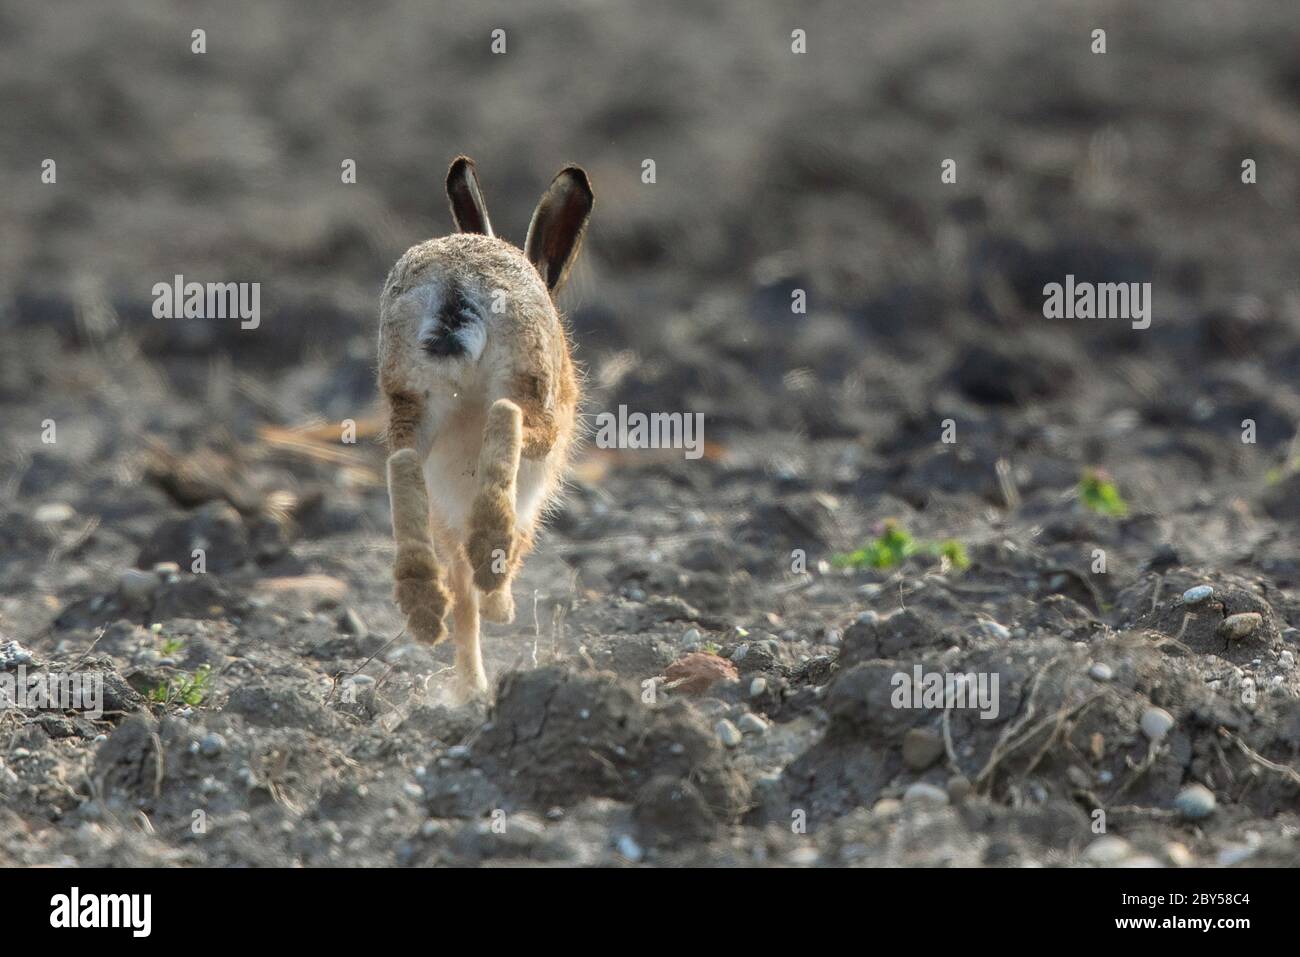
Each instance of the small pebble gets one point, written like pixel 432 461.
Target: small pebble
pixel 922 793
pixel 959 788
pixel 1195 802
pixel 52 513
pixel 1286 660
pixel 1240 625
pixel 1179 855
pixel 630 849
pixel 458 752
pixel 750 723
pixel 350 623
pixel 1107 850
pixel 692 637
pixel 167 572
pixel 1235 854
pixel 728 733
pixel 1101 672
pixel 135 585
pixel 1156 723
pixel 1198 595
pixel 921 748
pixel 759 685
pixel 804 856
pixel 886 807
pixel 995 630
pixel 12 654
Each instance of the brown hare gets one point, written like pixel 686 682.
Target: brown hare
pixel 482 399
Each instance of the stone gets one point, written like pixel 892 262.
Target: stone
pixel 925 794
pixel 137 587
pixel 350 623
pixel 750 723
pixel 886 807
pixel 1156 723
pixel 921 748
pixel 698 671
pixel 1242 625
pixel 1195 802
pixel 54 513
pixel 1107 850
pixel 728 733
pixel 959 788
pixel 13 654
pixel 630 849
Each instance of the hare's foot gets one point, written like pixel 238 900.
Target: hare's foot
pixel 420 593
pixel 470 683
pixel 499 606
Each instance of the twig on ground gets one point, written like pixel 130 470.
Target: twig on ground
pixel 1285 770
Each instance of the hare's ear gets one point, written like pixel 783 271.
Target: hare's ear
pixel 467 206
pixel 555 234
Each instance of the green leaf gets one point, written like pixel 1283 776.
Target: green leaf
pixel 890 549
pixel 955 552
pixel 1099 493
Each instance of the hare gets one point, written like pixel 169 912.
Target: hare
pixel 482 396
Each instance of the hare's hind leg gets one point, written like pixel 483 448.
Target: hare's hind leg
pixel 492 517
pixel 470 678
pixel 420 592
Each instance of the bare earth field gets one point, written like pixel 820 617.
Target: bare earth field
pixel 317 734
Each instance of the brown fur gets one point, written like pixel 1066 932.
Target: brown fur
pixel 419 589
pixel 492 517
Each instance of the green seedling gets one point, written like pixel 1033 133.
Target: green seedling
pixel 955 552
pixel 172 646
pixel 1278 472
pixel 894 545
pixel 890 549
pixel 1099 493
pixel 190 690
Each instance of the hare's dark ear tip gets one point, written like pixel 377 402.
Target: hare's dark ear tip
pixel 578 176
pixel 459 165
